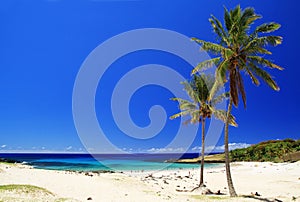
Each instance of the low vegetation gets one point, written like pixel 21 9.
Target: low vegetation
pixel 28 193
pixel 274 151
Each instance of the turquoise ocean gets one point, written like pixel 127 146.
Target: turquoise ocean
pixel 107 162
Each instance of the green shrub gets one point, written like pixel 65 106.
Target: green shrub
pixel 273 150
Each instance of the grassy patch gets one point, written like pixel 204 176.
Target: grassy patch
pixel 28 193
pixel 8 164
pixel 24 189
pixel 148 191
pixel 64 200
pixel 208 197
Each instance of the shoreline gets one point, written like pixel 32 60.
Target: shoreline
pixel 280 181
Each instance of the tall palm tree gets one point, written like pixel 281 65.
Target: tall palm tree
pixel 239 48
pixel 199 109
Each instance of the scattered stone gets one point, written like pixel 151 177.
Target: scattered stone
pixel 103 171
pixel 89 174
pixel 218 192
pixel 206 191
pixel 89 198
pixel 255 194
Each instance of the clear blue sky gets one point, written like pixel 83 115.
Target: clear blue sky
pixel 44 43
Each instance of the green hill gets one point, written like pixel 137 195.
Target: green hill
pixel 273 150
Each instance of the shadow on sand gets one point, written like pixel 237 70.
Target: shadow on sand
pixel 262 199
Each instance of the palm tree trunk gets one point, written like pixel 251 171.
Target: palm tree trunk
pixel 202 153
pixel 227 160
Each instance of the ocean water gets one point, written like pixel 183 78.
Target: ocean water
pixel 108 162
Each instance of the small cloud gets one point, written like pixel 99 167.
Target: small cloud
pixel 43 148
pixel 232 146
pixel 196 148
pixel 166 150
pixel 69 148
pixel 3 146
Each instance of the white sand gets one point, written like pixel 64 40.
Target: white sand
pixel 271 181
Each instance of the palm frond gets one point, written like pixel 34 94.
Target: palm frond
pixel 236 13
pixel 180 114
pixel 211 47
pixel 190 91
pixel 219 30
pixel 264 41
pixel 227 18
pixel 206 64
pixel 264 76
pixel 221 115
pixel 241 88
pixel 267 28
pixel 185 104
pixel 233 87
pixel 253 78
pixel 195 116
pixel 248 17
pixel 264 62
pixel 202 85
pixel 220 78
pixel 254 49
pixel 220 98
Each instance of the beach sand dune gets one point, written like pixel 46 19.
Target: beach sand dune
pixel 253 181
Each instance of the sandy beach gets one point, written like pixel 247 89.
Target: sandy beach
pixel 272 182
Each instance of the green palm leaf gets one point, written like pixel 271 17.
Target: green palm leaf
pixel 220 76
pixel 221 115
pixel 264 62
pixel 220 98
pixel 211 47
pixel 264 41
pixel 206 64
pixel 267 28
pixel 264 76
pixel 219 30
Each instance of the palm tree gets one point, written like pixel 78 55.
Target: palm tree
pixel 239 49
pixel 199 109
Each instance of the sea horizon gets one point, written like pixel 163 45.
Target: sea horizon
pixel 108 162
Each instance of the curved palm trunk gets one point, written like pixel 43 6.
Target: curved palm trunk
pixel 227 160
pixel 202 153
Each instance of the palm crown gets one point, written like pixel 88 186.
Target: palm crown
pixel 240 50
pixel 198 89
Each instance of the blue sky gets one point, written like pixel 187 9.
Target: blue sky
pixel 44 43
